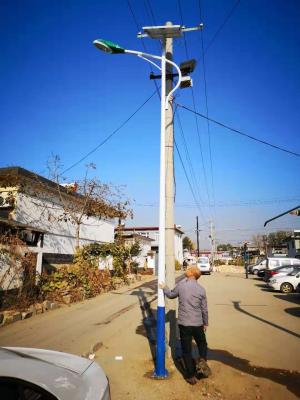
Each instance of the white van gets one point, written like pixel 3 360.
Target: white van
pixel 274 262
pixel 204 265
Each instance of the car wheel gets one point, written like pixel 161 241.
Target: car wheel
pixel 286 288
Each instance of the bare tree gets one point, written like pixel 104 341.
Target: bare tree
pixel 87 197
pixel 258 241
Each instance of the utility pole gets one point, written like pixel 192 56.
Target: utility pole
pixel 171 305
pixel 197 230
pixel 212 241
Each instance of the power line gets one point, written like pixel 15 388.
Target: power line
pixel 147 3
pixel 189 183
pixel 150 13
pixel 143 42
pixel 196 119
pixel 245 203
pixel 222 25
pixel 109 136
pixel 188 158
pixel 206 108
pixel 239 132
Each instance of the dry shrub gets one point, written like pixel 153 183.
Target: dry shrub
pixel 77 280
pixel 18 281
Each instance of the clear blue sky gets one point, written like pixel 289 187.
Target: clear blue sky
pixel 60 95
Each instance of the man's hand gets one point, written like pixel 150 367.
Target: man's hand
pixel 162 285
pixel 205 327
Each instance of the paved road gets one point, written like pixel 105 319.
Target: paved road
pixel 248 325
pixel 77 327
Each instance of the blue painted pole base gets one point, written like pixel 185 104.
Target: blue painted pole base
pixel 160 369
pixel 160 377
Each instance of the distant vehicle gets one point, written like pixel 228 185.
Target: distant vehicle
pixel 251 266
pixel 274 262
pixel 35 374
pixel 204 265
pixel 279 271
pixel 287 283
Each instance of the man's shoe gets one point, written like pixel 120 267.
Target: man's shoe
pixel 203 368
pixel 192 380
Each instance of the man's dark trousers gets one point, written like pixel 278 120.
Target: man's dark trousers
pixel 187 333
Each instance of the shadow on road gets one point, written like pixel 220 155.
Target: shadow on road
pixel 237 306
pixel 147 328
pixel 264 287
pixel 289 379
pixel 294 311
pixel 292 297
pixel 148 325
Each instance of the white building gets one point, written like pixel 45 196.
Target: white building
pixel 30 206
pixel 293 244
pixel 146 258
pixel 152 232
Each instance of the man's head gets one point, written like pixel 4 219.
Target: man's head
pixel 193 272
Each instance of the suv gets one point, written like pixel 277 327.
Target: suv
pixel 274 262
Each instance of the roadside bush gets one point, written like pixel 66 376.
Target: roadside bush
pixel 122 254
pixel 19 286
pixel 77 280
pixel 177 265
pixel 219 262
pixel 237 261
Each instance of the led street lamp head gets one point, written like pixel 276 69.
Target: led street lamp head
pixel 108 47
pixel 186 82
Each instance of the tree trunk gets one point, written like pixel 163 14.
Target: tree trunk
pixel 77 236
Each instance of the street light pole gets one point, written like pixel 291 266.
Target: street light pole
pixel 162 33
pixel 109 47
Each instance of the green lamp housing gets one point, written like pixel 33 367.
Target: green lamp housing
pixel 108 47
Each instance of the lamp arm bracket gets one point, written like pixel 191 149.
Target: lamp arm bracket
pixel 151 62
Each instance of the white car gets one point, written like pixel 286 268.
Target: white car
pixel 287 283
pixel 274 262
pixel 35 374
pixel 204 265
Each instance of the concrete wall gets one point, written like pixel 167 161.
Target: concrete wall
pixel 59 235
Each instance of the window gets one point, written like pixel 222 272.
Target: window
pixel 273 263
pixel 295 272
pixel 16 389
pixel 285 262
pixel 203 260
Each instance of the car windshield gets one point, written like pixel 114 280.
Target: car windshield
pixel 295 272
pixel 283 268
pixel 203 260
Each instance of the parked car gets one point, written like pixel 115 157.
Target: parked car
pixel 298 288
pixel 251 266
pixel 279 271
pixel 287 283
pixel 261 273
pixel 274 262
pixel 204 265
pixel 35 374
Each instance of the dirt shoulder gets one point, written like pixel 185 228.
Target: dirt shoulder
pixel 241 370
